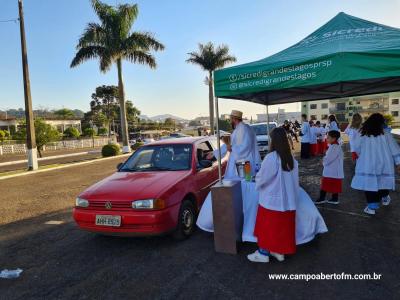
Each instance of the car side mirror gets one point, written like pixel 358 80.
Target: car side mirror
pixel 119 166
pixel 205 163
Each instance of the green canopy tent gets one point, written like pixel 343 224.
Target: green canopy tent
pixel 347 56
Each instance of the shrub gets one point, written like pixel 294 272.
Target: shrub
pixel 72 132
pixel 102 131
pixel 89 132
pixel 110 150
pixel 137 145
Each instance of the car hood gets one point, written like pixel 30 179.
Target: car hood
pixel 262 138
pixel 133 185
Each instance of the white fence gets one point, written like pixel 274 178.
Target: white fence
pixel 67 144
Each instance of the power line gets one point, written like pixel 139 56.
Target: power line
pixel 10 20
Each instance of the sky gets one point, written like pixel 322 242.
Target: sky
pixel 252 29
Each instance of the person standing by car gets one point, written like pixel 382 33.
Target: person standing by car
pixel 243 146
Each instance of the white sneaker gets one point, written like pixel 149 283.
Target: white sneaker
pixel 279 257
pixel 369 211
pixel 258 257
pixel 386 200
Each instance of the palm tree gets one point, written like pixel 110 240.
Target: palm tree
pixel 111 41
pixel 211 58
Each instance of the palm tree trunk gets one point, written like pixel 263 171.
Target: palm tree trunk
pixel 124 124
pixel 211 101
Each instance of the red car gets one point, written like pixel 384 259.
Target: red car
pixel 158 189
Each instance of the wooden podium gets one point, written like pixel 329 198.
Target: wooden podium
pixel 227 216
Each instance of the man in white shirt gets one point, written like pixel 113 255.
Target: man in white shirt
pixel 305 137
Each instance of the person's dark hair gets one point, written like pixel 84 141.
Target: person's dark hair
pixel 280 144
pixel 332 118
pixel 318 123
pixel 373 125
pixel 304 116
pixel 334 134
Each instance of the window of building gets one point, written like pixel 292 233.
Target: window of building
pixel 350 114
pixel 395 101
pixel 324 105
pixel 341 106
pixel 358 102
pixel 324 117
pixel 313 117
pixel 395 113
pixel 313 106
pixel 305 105
pixel 341 117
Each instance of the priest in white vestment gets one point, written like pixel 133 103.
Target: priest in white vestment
pixel 243 147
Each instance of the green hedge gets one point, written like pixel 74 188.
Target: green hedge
pixel 137 145
pixel 110 150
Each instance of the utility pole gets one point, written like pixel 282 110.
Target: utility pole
pixel 30 125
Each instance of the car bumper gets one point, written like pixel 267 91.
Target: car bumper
pixel 133 223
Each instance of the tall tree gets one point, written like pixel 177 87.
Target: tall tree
pixel 104 100
pixel 112 41
pixel 64 113
pixel 211 58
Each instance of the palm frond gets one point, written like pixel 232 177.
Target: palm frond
pixel 210 58
pixel 143 40
pixel 140 57
pixel 127 15
pixel 102 10
pixel 86 53
pixel 94 34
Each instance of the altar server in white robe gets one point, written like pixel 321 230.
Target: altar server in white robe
pixel 305 137
pixel 378 153
pixel 243 146
pixel 278 184
pixel 353 132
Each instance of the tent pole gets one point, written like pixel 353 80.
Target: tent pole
pixel 218 141
pixel 267 124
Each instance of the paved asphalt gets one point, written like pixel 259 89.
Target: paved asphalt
pixel 62 262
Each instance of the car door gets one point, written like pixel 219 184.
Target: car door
pixel 205 176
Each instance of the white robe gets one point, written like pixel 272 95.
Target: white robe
pixel 305 131
pixel 309 221
pixel 375 164
pixel 244 147
pixel 353 135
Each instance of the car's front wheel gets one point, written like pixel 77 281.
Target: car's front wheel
pixel 186 221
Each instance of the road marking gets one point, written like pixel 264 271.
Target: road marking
pixel 63 166
pixel 53 222
pixel 356 214
pixel 16 162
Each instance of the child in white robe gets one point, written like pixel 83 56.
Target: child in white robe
pixel 377 154
pixel 333 174
pixel 314 131
pixel 353 131
pixel 278 185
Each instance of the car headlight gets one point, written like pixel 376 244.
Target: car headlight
pixel 148 204
pixel 79 202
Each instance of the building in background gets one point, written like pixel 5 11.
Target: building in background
pixel 344 108
pixel 61 125
pixel 280 116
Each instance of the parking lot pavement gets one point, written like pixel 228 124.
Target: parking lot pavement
pixel 62 262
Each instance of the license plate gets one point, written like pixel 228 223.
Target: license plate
pixel 113 221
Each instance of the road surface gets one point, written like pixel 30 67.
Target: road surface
pixel 62 262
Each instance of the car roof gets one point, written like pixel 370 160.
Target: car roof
pixel 263 123
pixel 183 140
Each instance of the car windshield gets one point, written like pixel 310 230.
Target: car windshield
pixel 261 129
pixel 159 158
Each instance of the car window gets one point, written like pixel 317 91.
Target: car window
pixel 202 150
pixel 160 158
pixel 261 129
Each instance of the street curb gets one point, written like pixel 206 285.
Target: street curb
pixel 63 167
pixel 17 162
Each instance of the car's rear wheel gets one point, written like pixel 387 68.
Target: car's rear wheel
pixel 186 221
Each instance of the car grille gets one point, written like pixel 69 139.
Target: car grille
pixel 116 205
